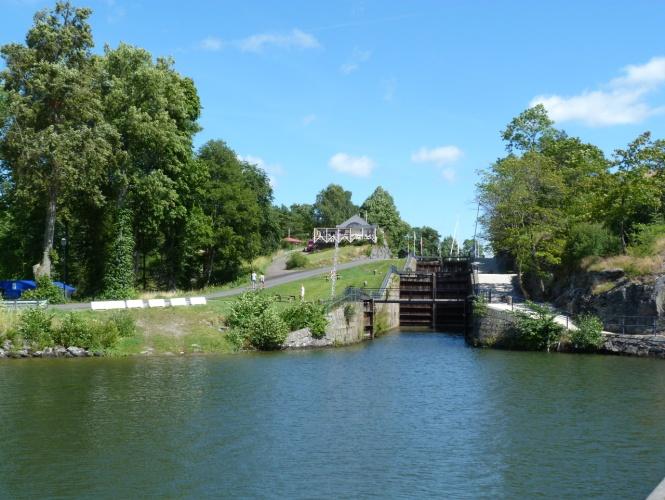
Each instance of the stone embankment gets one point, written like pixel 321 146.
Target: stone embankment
pixel 9 350
pixel 496 329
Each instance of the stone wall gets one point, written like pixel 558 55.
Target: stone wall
pixel 491 329
pixel 339 330
pixel 387 315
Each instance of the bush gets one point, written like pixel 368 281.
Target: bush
pixel 45 290
pixel 645 239
pixel 250 305
pixel 125 324
pixel 587 239
pixel 589 333
pixel 267 331
pixel 306 315
pixel 349 312
pixel 537 331
pixel 35 327
pixel 296 260
pixel 75 330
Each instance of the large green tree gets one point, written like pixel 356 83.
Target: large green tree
pixel 57 143
pixel 333 206
pixel 380 209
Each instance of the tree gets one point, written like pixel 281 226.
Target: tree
pixel 472 248
pixel 57 142
pixel 633 194
pixel 430 240
pixel 527 131
pixel 380 209
pixel 119 275
pixel 449 246
pixel 333 206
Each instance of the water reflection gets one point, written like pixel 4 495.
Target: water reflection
pixel 409 415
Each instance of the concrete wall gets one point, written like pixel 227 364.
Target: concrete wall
pixel 387 315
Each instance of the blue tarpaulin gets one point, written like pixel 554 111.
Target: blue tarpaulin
pixel 12 289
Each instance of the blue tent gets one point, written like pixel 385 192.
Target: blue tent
pixel 13 289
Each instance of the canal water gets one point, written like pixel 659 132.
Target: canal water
pixel 410 415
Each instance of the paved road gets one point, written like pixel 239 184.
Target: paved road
pixel 270 283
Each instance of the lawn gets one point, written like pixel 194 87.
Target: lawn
pixel 347 253
pixel 318 287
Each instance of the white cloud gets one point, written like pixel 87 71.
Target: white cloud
pixel 449 174
pixel 294 39
pixel 389 88
pixel 273 170
pixel 621 101
pixel 358 166
pixel 308 119
pixel 438 156
pixel 358 57
pixel 212 43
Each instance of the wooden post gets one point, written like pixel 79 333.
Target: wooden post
pixel 371 330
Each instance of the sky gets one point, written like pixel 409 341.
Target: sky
pixel 410 96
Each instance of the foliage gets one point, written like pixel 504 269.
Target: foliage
pixel 587 239
pixel 430 238
pixel 267 331
pixel 349 312
pixel 119 276
pixel 449 246
pixel 536 329
pixel 647 238
pixel 480 307
pixel 472 248
pixel 333 206
pixel 381 324
pixel 296 260
pixel 589 333
pixel 380 209
pixel 249 306
pixel 45 290
pixel 35 326
pixel 306 315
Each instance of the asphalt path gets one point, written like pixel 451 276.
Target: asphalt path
pixel 281 279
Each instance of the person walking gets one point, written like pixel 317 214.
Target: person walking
pixel 253 278
pixel 302 293
pixel 262 280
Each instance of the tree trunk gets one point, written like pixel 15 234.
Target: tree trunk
pixel 44 267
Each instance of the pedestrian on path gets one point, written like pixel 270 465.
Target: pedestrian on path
pixel 262 280
pixel 302 293
pixel 253 278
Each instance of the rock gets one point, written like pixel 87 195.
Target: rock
pixel 77 352
pixel 7 345
pixel 302 339
pixel 98 354
pixel 2 353
pixel 23 353
pixel 37 354
pixel 60 351
pixel 48 352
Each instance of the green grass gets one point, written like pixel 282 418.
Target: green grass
pixel 347 253
pixel 317 288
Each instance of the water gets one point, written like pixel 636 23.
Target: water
pixel 407 416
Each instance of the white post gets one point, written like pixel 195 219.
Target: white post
pixel 333 273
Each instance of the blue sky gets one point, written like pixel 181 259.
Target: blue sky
pixel 407 95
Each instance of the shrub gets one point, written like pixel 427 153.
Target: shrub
pixel 646 239
pixel 125 324
pixel 536 330
pixel 590 239
pixel 75 330
pixel 296 260
pixel 479 306
pixel 306 315
pixel 45 290
pixel 349 312
pixel 119 273
pixel 250 305
pixel 35 326
pixel 267 332
pixel 589 333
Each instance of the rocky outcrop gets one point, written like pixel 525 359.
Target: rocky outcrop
pixel 610 294
pixel 634 345
pixel 9 350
